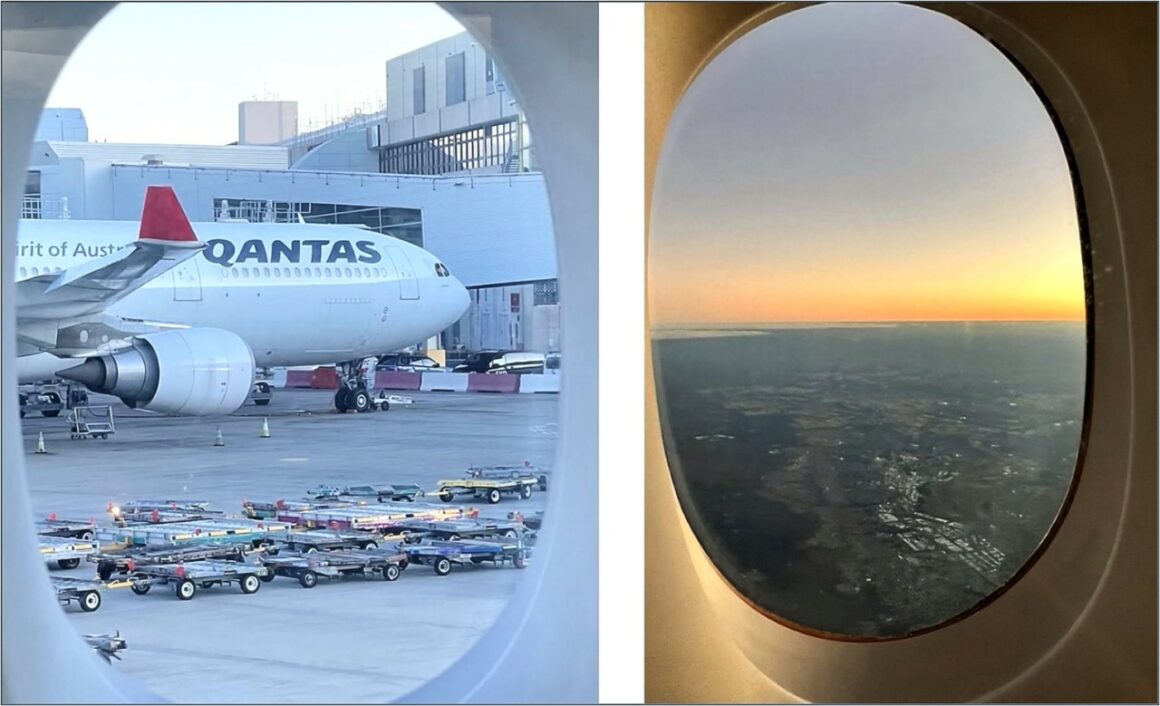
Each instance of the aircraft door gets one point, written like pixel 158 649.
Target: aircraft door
pixel 187 282
pixel 408 285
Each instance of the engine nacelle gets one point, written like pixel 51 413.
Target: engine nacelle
pixel 196 371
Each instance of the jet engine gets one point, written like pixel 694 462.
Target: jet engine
pixel 196 371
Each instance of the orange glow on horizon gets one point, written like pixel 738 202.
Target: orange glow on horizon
pixel 1007 287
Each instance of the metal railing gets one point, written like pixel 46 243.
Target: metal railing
pixel 38 206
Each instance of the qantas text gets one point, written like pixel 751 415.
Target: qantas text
pixel 226 253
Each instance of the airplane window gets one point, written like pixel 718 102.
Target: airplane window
pixel 23 272
pixel 35 271
pixel 869 328
pixel 229 357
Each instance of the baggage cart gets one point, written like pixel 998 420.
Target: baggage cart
pixel 381 518
pixel 65 552
pixel 91 422
pixel 77 529
pixel 531 520
pixel 242 531
pixel 84 592
pixel 511 472
pixel 309 568
pixel 125 561
pixel 188 577
pixel 383 492
pixel 310 541
pixel 489 489
pixel 463 529
pixel 442 555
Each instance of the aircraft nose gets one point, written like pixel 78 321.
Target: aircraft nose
pixel 458 299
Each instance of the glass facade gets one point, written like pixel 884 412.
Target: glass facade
pixel 420 88
pixel 402 223
pixel 456 79
pixel 545 293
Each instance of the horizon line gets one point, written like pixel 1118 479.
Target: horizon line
pixel 871 321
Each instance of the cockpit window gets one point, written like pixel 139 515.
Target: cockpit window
pixel 441 270
pixel 869 328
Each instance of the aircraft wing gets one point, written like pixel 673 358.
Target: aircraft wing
pixel 165 240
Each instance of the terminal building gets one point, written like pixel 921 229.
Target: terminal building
pixel 448 165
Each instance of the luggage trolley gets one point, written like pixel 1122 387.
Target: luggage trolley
pixel 84 592
pixel 490 489
pixel 125 561
pixel 91 422
pixel 188 577
pixel 67 553
pixel 441 555
pixel 307 568
pixel 463 529
pixel 499 472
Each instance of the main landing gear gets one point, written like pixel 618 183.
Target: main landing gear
pixel 352 394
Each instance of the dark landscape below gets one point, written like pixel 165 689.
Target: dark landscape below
pixel 872 481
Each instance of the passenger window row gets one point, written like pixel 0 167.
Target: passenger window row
pixel 237 272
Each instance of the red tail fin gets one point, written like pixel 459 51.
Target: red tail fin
pixel 162 217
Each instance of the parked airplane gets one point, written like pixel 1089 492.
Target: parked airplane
pixel 171 323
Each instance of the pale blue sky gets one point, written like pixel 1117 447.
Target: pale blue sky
pixel 175 72
pixel 862 162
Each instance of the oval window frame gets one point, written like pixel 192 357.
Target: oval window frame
pixel 802 663
pixel 685 496
pixel 521 37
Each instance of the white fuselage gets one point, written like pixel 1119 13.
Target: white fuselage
pixel 296 294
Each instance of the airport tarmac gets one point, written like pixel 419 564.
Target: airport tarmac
pixel 346 641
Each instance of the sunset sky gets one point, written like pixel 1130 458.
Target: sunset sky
pixel 862 162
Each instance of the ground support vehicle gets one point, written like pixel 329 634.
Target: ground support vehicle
pixel 260 393
pixel 50 398
pixel 487 489
pixel 384 401
pixel 188 506
pixel 243 531
pixel 532 521
pixel 392 492
pixel 381 518
pixel 53 527
pixel 309 568
pixel 187 577
pixel 84 592
pixel 511 472
pixel 310 541
pixel 441 555
pixel 463 529
pixel 259 510
pixel 95 422
pixel 158 517
pixel 125 561
pixel 66 552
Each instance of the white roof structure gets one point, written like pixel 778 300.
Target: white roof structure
pixel 240 156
